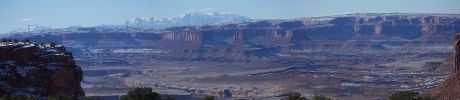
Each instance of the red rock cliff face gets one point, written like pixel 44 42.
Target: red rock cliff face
pixel 403 26
pixel 32 70
pixel 450 88
pixel 181 39
pixel 266 38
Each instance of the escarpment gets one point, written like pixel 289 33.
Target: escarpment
pixel 29 69
pixel 450 88
pixel 267 39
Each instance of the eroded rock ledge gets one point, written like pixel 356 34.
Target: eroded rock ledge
pixel 30 69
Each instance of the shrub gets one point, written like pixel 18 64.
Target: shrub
pixel 408 95
pixel 296 96
pixel 141 94
pixel 403 95
pixel 427 97
pixel 320 97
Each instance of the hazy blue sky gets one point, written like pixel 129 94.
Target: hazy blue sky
pixel 62 13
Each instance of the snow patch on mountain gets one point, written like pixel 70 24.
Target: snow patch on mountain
pixel 188 19
pixel 31 28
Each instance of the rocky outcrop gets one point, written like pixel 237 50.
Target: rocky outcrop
pixel 29 69
pixel 457 54
pixel 450 88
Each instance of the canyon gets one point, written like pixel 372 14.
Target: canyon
pixel 364 55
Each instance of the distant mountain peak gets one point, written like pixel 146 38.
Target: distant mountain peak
pixel 31 28
pixel 188 19
pixel 206 11
pixel 202 13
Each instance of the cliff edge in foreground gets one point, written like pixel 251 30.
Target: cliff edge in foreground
pixel 29 69
pixel 450 88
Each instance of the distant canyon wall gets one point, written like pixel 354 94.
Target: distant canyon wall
pixel 270 38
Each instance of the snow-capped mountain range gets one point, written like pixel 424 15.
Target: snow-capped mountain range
pixel 188 19
pixel 31 28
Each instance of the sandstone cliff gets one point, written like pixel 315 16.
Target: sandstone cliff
pixel 267 39
pixel 450 88
pixel 29 69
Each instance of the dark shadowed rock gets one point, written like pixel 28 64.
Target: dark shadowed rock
pixel 35 70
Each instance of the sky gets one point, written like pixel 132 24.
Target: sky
pixel 15 14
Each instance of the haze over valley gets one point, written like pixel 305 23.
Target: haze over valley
pixel 345 56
